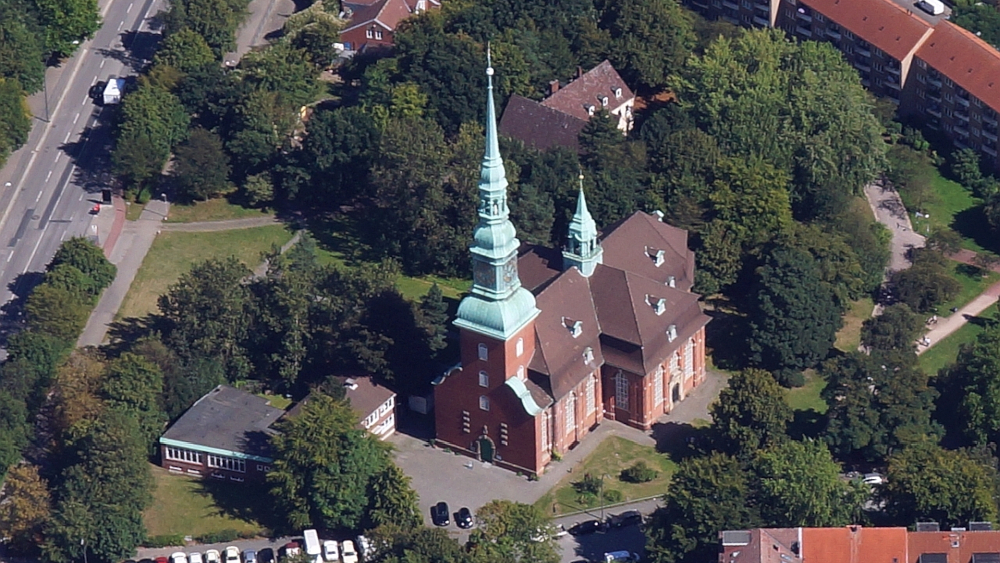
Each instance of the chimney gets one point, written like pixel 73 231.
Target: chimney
pixel 579 71
pixel 553 86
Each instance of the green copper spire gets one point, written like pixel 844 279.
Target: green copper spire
pixel 582 249
pixel 497 305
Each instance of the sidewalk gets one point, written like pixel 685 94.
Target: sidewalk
pixel 128 251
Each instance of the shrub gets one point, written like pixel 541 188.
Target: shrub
pixel 589 485
pixel 638 473
pixel 222 536
pixel 613 496
pixel 168 540
pixel 790 378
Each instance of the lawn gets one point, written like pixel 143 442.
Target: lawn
pixel 945 352
pixel 218 209
pixel 954 207
pixel 173 253
pixel 133 210
pixel 609 459
pixel 849 336
pixel 193 507
pixel 972 285
pixel 807 397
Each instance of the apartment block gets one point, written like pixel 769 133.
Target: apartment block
pixel 936 72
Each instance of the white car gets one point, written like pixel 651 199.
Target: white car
pixel 873 479
pixel 212 556
pixel 348 553
pixel 194 557
pixel 330 551
pixel 178 557
pixel 231 555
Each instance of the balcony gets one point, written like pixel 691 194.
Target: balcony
pixel 991 135
pixel 934 95
pixel 762 22
pixel 764 9
pixel 962 116
pixel 990 120
pixel 962 101
pixel 892 82
pixel 989 151
pixel 803 31
pixel 934 110
pixel 934 81
pixel 962 131
pixel 862 51
pixel 804 16
pixel 862 65
pixel 730 5
pixel 833 33
pixel 959 144
pixel 892 69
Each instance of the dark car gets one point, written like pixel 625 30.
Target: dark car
pixel 464 518
pixel 440 514
pixel 587 527
pixel 265 555
pixel 627 518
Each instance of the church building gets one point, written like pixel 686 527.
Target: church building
pixel 553 342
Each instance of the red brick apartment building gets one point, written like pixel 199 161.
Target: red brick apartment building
pixel 978 543
pixel 555 341
pixel 935 71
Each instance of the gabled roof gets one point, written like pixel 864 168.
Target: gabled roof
pixel 588 90
pixel 633 244
pixel 955 547
pixel 854 544
pixel 385 13
pixel 966 59
pixel 879 22
pixel 538 126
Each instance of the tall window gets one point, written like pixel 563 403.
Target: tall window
pixel 570 413
pixel 520 372
pixel 591 395
pixel 689 358
pixel 369 34
pixel 658 386
pixel 483 353
pixel 519 347
pixel 484 402
pixel 484 379
pixel 545 431
pixel 621 391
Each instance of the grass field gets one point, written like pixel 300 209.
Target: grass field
pixel 849 336
pixel 193 507
pixel 954 207
pixel 807 397
pixel 218 209
pixel 173 254
pixel 972 285
pixel 609 458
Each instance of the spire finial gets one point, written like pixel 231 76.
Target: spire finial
pixel 489 66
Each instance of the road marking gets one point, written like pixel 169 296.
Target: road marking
pixel 66 138
pixel 32 257
pixel 76 118
pixel 81 196
pixel 106 60
pixel 84 101
pixel 47 176
pixel 129 7
pixel 58 154
pixel 11 255
pixel 120 25
pixel 39 195
pixel 94 81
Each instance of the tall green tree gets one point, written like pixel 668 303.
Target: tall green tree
pixel 895 330
pixel 66 22
pixel 434 318
pixel 15 118
pixel 927 283
pixel 393 500
pixel 185 50
pixel 134 385
pixel 650 40
pixel 152 122
pixel 87 257
pixel 508 531
pixel 22 47
pixel 56 312
pixel 974 387
pixel 201 169
pixel 750 414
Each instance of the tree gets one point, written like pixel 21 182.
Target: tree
pixel 201 166
pixel 56 312
pixel 706 494
pixel 152 122
pixel 750 414
pixel 398 544
pixel 315 31
pixel 185 50
pixel 66 23
pixel 21 45
pixel 434 318
pixel 532 210
pixel 799 484
pixel 184 382
pixel 205 314
pixel 134 385
pixel 974 386
pixel 324 466
pixel 393 500
pixel 258 190
pixel 649 39
pixel 15 118
pixel 895 330
pixel 507 532
pixel 792 314
pixel 929 483
pixel 339 153
pixel 927 283
pixel 76 392
pixel 101 493
pixel 215 21
pixel 25 507
pixel 87 257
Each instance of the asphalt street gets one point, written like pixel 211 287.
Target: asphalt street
pixel 50 186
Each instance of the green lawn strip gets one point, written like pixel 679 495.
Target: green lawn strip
pixel 945 352
pixel 807 397
pixel 412 288
pixel 173 254
pixel 133 211
pixel 277 401
pixel 849 335
pixel 190 506
pixel 609 458
pixel 973 284
pixel 952 199
pixel 218 209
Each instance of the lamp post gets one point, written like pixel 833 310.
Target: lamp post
pixel 83 543
pixel 45 87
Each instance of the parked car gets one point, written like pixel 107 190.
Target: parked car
pixel 178 557
pixel 249 556
pixel 212 556
pixel 291 548
pixel 348 552
pixel 440 514
pixel 364 547
pixel 873 479
pixel 587 527
pixel 331 552
pixel 194 557
pixel 627 518
pixel 620 557
pixel 162 560
pixel 464 518
pixel 265 555
pixel 231 555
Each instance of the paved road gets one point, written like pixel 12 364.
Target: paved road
pixel 51 184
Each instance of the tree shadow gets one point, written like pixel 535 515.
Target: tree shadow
pixel 244 501
pixel 338 233
pixel 721 333
pixel 12 315
pixel 971 223
pixel 122 334
pixel 680 441
pixel 806 424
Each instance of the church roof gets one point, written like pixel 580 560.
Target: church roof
pixel 633 244
pixel 539 126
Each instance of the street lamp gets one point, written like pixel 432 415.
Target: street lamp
pixel 83 543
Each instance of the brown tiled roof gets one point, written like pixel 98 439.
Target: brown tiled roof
pixel 600 81
pixel 966 59
pixel 567 300
pixel 539 126
pixel 388 13
pixel 854 544
pixel 958 546
pixel 537 266
pixel 879 22
pixel 630 243
pixel 367 396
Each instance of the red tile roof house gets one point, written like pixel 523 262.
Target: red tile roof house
pixel 558 119
pixel 372 24
pixel 978 543
pixel 374 404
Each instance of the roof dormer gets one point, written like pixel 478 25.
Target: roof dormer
pixel 656 255
pixel 658 304
pixel 575 327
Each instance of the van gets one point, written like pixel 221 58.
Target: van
pixel 933 7
pixel 313 548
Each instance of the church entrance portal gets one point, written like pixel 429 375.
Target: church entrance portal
pixel 486 449
pixel 676 393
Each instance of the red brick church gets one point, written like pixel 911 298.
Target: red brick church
pixel 553 342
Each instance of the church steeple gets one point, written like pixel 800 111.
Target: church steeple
pixel 497 305
pixel 582 249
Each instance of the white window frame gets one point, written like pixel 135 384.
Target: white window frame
pixel 545 431
pixel 591 392
pixel 369 34
pixel 484 403
pixel 621 391
pixel 519 347
pixel 227 463
pixel 187 456
pixel 484 353
pixel 658 386
pixel 570 413
pixel 689 359
pixel 484 379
